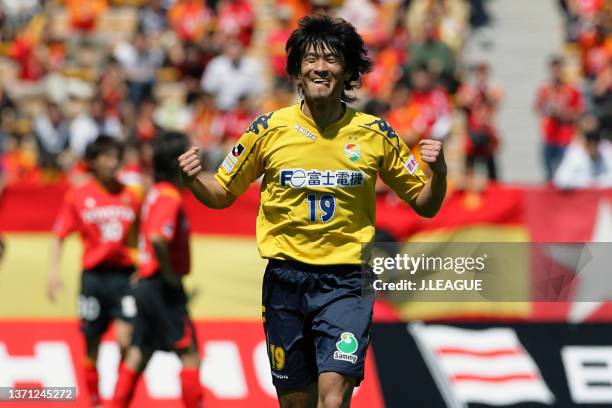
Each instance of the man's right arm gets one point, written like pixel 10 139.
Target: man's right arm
pixel 203 185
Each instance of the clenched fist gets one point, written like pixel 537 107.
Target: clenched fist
pixel 433 155
pixel 190 164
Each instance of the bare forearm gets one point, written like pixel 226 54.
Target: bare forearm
pixel 55 257
pixel 209 192
pixel 202 185
pixel 430 198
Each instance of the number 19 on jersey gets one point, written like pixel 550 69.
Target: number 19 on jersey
pixel 324 204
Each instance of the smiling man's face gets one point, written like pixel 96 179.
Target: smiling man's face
pixel 322 75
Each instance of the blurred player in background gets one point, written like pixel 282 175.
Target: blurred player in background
pixel 319 160
pixel 104 212
pixel 163 321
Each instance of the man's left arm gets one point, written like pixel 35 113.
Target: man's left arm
pixel 401 171
pixel 431 196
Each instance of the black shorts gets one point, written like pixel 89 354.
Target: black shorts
pixel 163 321
pixel 316 319
pixel 105 295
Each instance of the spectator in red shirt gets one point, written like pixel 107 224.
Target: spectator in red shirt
pixel 236 20
pixel 25 51
pixel 277 38
pixel 482 141
pixel 431 106
pixel 190 19
pixel 559 104
pixel 479 99
pixel 479 90
pixel 595 50
pixel 113 90
pixel 83 15
pixel 236 120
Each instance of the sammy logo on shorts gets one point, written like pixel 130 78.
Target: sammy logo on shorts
pixel 346 348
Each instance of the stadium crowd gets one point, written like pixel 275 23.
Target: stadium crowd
pixel 72 70
pixel 575 105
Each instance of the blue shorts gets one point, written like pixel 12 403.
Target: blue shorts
pixel 316 319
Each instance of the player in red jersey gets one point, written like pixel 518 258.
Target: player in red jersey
pixel 163 321
pixel 105 213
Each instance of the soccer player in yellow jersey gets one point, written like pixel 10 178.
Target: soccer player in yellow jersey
pixel 319 161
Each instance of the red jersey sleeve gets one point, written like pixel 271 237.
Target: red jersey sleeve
pixel 163 215
pixel 67 220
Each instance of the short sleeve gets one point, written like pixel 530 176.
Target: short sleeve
pixel 244 163
pixel 163 215
pixel 67 219
pixel 400 170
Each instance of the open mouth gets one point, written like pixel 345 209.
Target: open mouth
pixel 320 81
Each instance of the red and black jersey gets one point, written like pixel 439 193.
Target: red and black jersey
pixel 163 214
pixel 103 219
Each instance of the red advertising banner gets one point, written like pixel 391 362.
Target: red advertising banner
pixel 543 214
pixel 28 207
pixel 235 371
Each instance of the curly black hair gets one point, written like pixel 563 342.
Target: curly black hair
pixel 322 31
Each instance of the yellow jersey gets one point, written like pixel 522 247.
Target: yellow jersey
pixel 318 203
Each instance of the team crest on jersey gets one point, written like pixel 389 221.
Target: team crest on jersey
pixel 411 165
pixel 353 151
pixel 261 121
pixel 384 127
pixel 304 132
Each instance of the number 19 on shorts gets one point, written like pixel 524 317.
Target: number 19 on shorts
pixel 321 206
